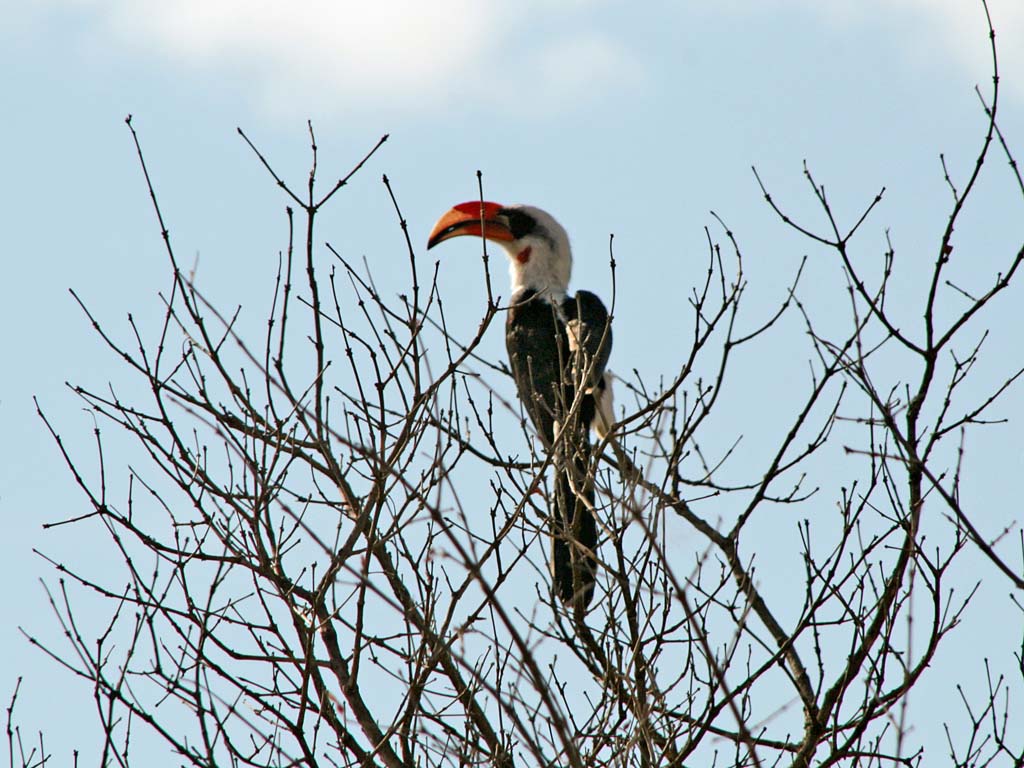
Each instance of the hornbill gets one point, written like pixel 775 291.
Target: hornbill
pixel 558 346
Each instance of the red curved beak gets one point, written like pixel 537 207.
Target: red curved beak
pixel 472 218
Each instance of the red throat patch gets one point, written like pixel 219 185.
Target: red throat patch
pixel 524 255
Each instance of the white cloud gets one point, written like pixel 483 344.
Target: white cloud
pixel 953 28
pixel 390 54
pixel 960 28
pixel 582 62
pixel 401 55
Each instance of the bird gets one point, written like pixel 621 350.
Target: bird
pixel 558 348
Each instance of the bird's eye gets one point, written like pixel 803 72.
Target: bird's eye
pixel 520 224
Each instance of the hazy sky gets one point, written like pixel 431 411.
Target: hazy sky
pixel 618 118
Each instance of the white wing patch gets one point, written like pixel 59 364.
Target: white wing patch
pixel 604 400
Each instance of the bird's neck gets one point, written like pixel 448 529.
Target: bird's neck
pixel 535 277
pixel 554 297
pixel 522 295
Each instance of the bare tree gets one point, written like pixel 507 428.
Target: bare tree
pixel 322 539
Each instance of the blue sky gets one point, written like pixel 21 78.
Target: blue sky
pixel 617 118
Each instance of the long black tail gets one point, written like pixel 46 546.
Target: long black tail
pixel 574 535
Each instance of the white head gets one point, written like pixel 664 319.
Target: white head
pixel 537 246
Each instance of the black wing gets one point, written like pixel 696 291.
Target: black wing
pixel 538 351
pixel 551 351
pixel 590 337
